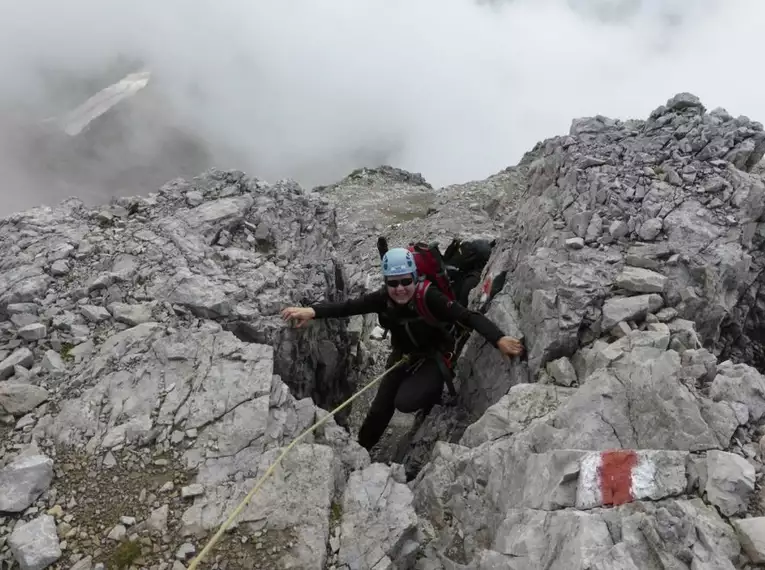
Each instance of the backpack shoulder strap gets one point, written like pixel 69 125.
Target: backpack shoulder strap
pixel 420 304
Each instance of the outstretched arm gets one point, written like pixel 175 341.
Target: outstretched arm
pixel 369 303
pixel 452 312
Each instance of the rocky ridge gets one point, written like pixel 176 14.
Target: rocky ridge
pixel 141 344
pixel 147 382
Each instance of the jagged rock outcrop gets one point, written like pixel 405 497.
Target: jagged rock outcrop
pixel 146 381
pixel 161 351
pixel 599 480
pixel 669 214
pixel 646 310
pixel 221 247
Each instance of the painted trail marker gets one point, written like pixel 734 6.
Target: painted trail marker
pixel 620 476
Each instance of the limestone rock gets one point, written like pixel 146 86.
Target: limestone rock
pixel 752 534
pixel 22 282
pixel 514 412
pixel 118 533
pixel 20 357
pixel 131 314
pixel 730 481
pixel 35 544
pixel 379 524
pixel 622 476
pixel 575 243
pixel 629 308
pixel 52 361
pixel 157 520
pixel 700 365
pixel 740 384
pixel 83 564
pixel 640 280
pixel 95 314
pixel 580 540
pixel 193 490
pixel 618 229
pixel 59 268
pixel 23 481
pixel 650 229
pixel 200 295
pixel 684 335
pixel 19 399
pixel 297 497
pixel 166 325
pixel 562 371
pixel 35 331
pixel 22 309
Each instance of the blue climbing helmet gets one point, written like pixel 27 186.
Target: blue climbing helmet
pixel 398 261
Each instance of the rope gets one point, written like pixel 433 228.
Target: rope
pixel 206 550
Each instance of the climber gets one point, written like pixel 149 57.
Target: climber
pixel 418 384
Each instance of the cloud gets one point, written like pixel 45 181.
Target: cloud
pixel 310 89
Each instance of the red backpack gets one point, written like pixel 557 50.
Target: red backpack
pixel 431 270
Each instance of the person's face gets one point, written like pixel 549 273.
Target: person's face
pixel 400 288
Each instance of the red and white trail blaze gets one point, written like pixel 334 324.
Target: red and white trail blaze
pixel 615 477
pixel 486 288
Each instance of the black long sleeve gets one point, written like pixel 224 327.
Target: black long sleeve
pixel 452 312
pixel 440 307
pixel 370 303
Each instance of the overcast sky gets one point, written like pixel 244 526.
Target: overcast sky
pixel 310 89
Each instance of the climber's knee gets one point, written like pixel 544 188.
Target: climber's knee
pixel 422 390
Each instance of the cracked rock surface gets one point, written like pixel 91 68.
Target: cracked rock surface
pixel 164 365
pixel 147 382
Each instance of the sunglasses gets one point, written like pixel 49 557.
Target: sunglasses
pixel 393 283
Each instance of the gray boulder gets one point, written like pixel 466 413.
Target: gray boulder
pixel 35 544
pixel 18 399
pixel 23 481
pixel 730 482
pixel 379 525
pixel 20 357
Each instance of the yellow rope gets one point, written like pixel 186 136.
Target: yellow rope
pixel 259 484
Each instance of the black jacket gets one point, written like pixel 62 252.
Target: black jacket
pixel 409 332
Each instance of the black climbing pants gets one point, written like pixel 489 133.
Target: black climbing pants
pixel 408 388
